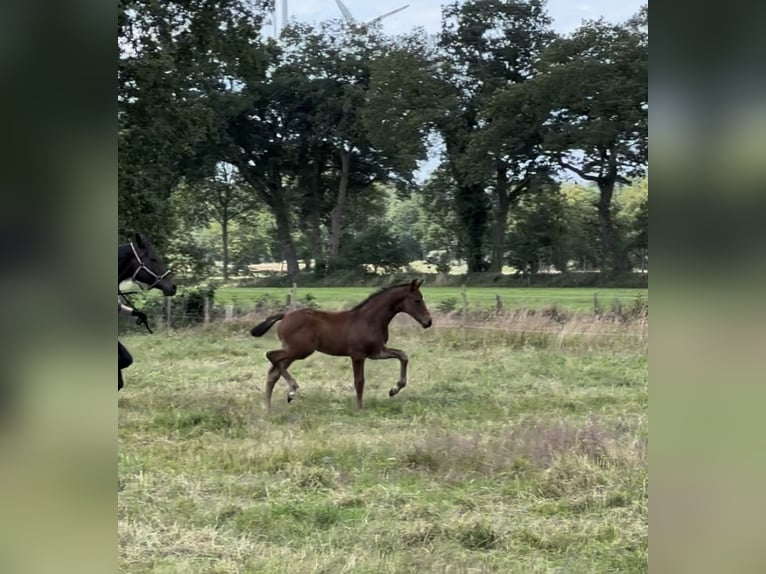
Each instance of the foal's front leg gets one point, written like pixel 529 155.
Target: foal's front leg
pixel 358 365
pixel 389 353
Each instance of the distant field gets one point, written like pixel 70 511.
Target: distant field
pixel 573 299
pixel 420 266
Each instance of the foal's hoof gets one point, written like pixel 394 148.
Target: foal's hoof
pixel 392 392
pixel 290 398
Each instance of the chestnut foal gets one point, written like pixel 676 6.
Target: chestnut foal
pixel 360 333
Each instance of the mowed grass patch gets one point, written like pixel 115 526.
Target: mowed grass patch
pixel 494 458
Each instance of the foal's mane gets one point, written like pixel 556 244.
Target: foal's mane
pixel 377 293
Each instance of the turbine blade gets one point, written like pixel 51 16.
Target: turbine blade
pixel 345 11
pixel 388 14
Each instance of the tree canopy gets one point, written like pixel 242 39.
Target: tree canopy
pixel 314 140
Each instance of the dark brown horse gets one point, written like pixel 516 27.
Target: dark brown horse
pixel 139 262
pixel 360 333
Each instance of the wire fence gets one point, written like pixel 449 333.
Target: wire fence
pixel 170 313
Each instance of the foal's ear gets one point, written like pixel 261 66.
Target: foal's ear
pixel 419 283
pixel 414 285
pixel 138 239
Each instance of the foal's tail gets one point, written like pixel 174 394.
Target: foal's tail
pixel 261 328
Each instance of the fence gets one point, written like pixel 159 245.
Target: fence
pixel 502 315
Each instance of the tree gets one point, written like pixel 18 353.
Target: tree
pixel 335 61
pixel 190 250
pixel 220 105
pixel 538 231
pixel 171 54
pixel 598 127
pixel 493 47
pixel 404 102
pixel 376 245
pixel 508 154
pixel 633 219
pixel 484 47
pixel 404 219
pixel 253 137
pixel 227 202
pixel 222 198
pixel 582 226
pixel 488 45
pixel 253 239
pixel 441 229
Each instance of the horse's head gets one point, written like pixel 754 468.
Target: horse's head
pixel 414 305
pixel 150 269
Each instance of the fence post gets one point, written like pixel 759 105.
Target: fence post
pixel 596 306
pixel 294 298
pixel 207 310
pixel 229 312
pixel 169 311
pixel 464 297
pixel 498 304
pixel 289 301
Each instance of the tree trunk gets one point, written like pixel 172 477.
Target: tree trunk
pixel 315 238
pixel 615 257
pixel 286 240
pixel 314 208
pixel 498 234
pixel 473 214
pixel 282 220
pixel 501 222
pixel 270 191
pixel 336 215
pixel 225 242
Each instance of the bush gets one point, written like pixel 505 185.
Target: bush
pixel 268 303
pixel 448 305
pixel 377 246
pixel 308 302
pixel 187 307
pixel 193 302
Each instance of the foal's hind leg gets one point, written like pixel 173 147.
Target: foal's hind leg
pixel 271 380
pixel 281 360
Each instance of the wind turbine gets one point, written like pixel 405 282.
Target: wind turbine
pixel 277 27
pixel 352 22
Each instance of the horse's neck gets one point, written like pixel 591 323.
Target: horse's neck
pixel 383 308
pixel 126 262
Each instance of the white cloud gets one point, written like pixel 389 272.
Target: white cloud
pixel 303 8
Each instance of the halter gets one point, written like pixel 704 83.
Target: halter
pixel 157 278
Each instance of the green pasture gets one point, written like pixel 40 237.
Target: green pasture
pixel 507 454
pixel 573 299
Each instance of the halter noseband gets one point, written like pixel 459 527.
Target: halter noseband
pixel 157 278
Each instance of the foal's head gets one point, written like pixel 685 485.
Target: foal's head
pixel 414 305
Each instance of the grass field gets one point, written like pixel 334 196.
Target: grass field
pixel 503 454
pixel 574 299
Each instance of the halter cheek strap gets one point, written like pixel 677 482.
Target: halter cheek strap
pixel 141 266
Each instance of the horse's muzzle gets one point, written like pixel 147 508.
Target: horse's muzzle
pixel 427 324
pixel 169 291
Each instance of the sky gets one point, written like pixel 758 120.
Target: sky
pixel 567 15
